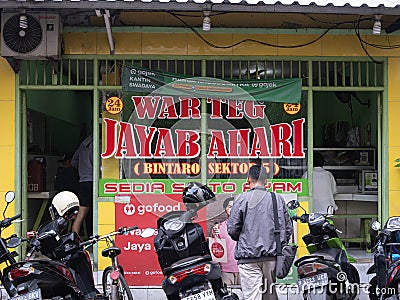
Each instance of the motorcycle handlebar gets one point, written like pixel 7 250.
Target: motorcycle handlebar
pixel 7 222
pixel 125 229
pixel 93 240
pixel 302 218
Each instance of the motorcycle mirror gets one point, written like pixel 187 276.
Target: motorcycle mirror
pixel 148 232
pixel 293 204
pixel 330 210
pixel 10 196
pixel 375 225
pixel 14 242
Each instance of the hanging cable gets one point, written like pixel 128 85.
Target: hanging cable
pixel 355 23
pixel 250 40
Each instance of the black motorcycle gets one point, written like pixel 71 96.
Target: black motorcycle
pixel 55 267
pixel 7 256
pixel 386 282
pixel 327 272
pixel 183 252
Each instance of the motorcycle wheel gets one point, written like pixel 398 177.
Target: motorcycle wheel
pixel 123 291
pixel 373 283
pixel 356 279
pixel 173 297
pixel 354 274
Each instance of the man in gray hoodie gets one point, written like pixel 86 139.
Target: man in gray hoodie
pixel 251 224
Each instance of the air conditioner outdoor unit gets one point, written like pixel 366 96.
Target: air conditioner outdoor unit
pixel 31 35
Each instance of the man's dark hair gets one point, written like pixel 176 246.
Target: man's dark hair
pixel 258 173
pixel 226 202
pixel 318 159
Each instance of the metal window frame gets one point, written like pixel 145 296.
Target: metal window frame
pixel 55 84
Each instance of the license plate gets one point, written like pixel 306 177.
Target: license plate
pixel 313 282
pixel 33 295
pixel 204 295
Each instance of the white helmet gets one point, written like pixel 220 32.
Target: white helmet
pixel 64 202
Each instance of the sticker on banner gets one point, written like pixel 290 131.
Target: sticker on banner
pixel 122 199
pixel 292 108
pixel 114 105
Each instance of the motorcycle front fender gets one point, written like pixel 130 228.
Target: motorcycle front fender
pixel 372 269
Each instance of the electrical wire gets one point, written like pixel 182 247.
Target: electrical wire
pixel 250 40
pixel 197 16
pixel 355 23
pixel 357 31
pixel 337 23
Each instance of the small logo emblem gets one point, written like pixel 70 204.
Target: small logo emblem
pixel 114 105
pixel 292 108
pixel 129 209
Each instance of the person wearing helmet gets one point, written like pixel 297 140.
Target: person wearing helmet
pixel 65 206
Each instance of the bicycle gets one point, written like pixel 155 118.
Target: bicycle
pixel 113 281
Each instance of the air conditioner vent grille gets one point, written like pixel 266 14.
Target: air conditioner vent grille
pixel 22 33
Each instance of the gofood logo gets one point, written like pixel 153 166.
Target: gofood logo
pixel 155 208
pixel 129 209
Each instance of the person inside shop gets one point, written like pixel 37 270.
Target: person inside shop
pixel 251 224
pixel 67 177
pixel 324 185
pixel 83 161
pixel 230 270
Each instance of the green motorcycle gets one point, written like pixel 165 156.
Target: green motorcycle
pixel 327 272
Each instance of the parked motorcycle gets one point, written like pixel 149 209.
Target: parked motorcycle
pixel 327 272
pixel 183 252
pixel 7 256
pixel 386 282
pixel 56 266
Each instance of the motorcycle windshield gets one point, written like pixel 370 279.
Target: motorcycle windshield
pixel 393 223
pixel 316 218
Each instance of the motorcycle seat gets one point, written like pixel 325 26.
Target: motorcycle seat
pixel 183 263
pixel 313 258
pixel 111 252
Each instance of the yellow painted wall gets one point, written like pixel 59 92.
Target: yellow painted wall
pixel 190 44
pixel 394 138
pixel 7 136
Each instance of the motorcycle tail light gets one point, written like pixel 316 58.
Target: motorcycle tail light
pixel 310 268
pixel 66 273
pixel 197 270
pixel 393 275
pixel 21 272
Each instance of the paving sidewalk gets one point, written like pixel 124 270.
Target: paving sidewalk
pixel 364 261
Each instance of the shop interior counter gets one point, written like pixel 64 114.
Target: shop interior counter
pixel 356 197
pixel 354 216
